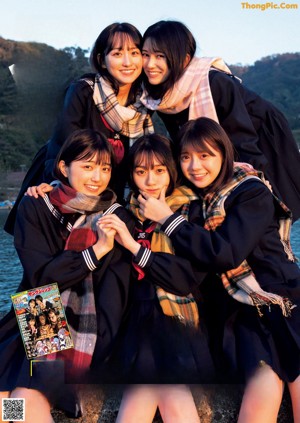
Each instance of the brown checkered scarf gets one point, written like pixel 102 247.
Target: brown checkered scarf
pixel 191 91
pixel 240 282
pixel 79 301
pixel 183 308
pixel 132 121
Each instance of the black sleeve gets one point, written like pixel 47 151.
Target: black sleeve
pixel 41 250
pixel 73 117
pixel 173 273
pixel 248 216
pixel 235 120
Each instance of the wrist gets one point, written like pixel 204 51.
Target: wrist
pixel 134 248
pixel 165 218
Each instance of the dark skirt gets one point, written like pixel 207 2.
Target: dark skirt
pixel 272 339
pixel 155 348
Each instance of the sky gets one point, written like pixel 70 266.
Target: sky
pixel 240 32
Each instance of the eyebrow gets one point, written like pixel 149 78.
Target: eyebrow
pixel 122 48
pixel 151 167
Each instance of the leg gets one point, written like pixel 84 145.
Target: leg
pixel 177 405
pixel 3 395
pixel 262 397
pixel 294 388
pixel 37 407
pixel 138 405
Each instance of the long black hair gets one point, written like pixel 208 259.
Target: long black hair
pixel 176 42
pixel 106 41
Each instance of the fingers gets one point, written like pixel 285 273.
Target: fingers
pixel 162 194
pixel 31 192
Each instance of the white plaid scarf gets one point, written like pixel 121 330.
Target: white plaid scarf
pixel 132 121
pixel 241 282
pixel 191 90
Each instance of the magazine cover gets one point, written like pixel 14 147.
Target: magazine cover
pixel 42 321
pixel 46 45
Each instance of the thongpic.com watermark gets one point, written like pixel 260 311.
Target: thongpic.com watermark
pixel 270 5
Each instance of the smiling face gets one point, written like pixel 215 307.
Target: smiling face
pixel 88 176
pixel 154 63
pixel 124 61
pixel 150 175
pixel 201 168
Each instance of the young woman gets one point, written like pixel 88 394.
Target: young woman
pixel 58 238
pixel 181 86
pixel 242 234
pixel 107 101
pixel 163 341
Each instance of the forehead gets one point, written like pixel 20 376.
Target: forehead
pixel 99 157
pixel 148 160
pixel 122 40
pixel 150 45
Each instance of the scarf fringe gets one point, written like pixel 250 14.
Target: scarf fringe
pixel 263 298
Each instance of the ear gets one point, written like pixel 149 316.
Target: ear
pixel 63 168
pixel 187 60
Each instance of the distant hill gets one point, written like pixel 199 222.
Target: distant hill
pixel 30 101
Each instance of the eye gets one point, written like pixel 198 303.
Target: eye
pixel 160 56
pixel 204 156
pixel 184 157
pixel 106 169
pixel 144 54
pixel 161 170
pixel 136 52
pixel 88 167
pixel 140 172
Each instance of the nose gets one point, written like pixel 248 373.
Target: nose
pixel 149 61
pixel 150 180
pixel 195 163
pixel 96 175
pixel 127 58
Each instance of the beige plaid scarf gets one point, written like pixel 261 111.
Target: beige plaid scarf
pixel 132 121
pixel 183 308
pixel 240 282
pixel 191 90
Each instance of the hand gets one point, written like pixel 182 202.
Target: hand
pixel 105 242
pixel 155 209
pixel 39 190
pixel 123 236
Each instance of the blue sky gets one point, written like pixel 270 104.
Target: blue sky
pixel 231 29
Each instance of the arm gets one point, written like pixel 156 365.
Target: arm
pixel 249 212
pixel 41 249
pixel 173 273
pixel 234 118
pixel 73 116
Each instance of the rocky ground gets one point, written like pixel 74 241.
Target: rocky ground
pixel 216 404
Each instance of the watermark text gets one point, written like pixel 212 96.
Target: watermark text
pixel 271 5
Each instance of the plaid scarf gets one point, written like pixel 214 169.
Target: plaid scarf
pixel 132 121
pixel 183 308
pixel 79 300
pixel 191 90
pixel 240 282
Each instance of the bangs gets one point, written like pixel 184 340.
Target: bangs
pixel 200 145
pixel 121 39
pixel 101 157
pixel 147 159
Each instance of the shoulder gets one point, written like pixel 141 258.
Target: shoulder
pixel 223 81
pixel 83 84
pixel 251 191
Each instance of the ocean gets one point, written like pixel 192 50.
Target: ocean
pixel 11 269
